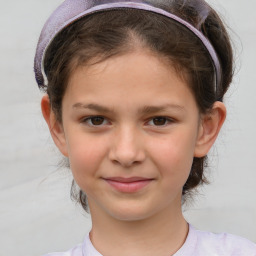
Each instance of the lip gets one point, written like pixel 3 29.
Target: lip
pixel 128 185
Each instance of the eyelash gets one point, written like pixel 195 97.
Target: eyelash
pixel 167 120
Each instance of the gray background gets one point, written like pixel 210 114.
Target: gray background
pixel 36 214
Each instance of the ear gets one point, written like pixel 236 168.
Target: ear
pixel 55 127
pixel 209 129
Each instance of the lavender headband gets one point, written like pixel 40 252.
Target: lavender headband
pixel 73 10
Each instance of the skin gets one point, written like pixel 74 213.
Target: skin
pixel 127 142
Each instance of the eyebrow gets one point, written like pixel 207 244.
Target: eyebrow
pixel 143 110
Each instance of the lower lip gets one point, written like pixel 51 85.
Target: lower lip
pixel 130 187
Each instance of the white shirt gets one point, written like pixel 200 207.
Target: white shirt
pixel 198 243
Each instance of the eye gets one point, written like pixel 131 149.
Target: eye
pixel 160 121
pixel 94 120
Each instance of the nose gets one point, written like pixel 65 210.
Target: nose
pixel 127 148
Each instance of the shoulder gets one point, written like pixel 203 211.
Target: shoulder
pixel 224 244
pixel 76 251
pixel 80 250
pixel 85 249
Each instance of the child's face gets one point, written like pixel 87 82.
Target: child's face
pixel 128 92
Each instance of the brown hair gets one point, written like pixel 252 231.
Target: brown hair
pixel 117 32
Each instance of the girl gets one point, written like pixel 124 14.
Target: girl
pixel 134 94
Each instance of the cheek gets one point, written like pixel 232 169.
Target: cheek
pixel 173 156
pixel 85 155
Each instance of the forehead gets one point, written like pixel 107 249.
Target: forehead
pixel 128 79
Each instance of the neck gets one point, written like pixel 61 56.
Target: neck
pixel 161 234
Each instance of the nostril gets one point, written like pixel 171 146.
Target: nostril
pixel 125 162
pixel 126 149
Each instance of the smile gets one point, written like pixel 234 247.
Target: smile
pixel 128 185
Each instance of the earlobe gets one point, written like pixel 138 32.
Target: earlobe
pixel 209 129
pixel 55 127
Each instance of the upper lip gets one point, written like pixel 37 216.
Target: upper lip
pixel 126 180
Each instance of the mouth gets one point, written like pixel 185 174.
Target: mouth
pixel 128 185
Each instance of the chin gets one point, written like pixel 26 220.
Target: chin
pixel 131 212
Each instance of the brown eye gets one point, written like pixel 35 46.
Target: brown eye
pixel 97 120
pixel 159 121
pixel 94 121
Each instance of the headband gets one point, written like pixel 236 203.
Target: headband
pixel 72 10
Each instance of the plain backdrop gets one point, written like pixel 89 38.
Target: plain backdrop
pixel 36 213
